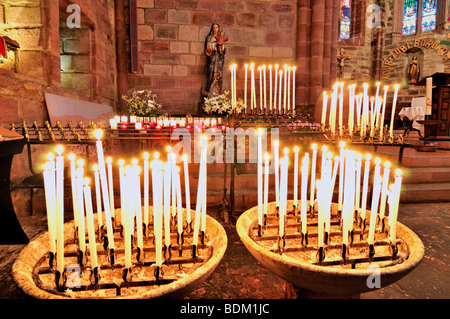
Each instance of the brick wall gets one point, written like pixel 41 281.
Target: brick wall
pixel 171 35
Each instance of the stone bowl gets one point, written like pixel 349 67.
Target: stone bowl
pixel 25 267
pixel 322 280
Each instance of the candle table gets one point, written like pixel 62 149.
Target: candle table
pixel 332 274
pixel 178 274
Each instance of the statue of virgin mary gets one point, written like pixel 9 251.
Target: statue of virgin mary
pixel 214 63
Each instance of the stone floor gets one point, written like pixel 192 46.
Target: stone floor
pixel 240 276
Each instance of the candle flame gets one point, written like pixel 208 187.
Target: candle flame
pixel 47 166
pixel 296 149
pixel 259 132
pixel 368 157
pixel 95 167
pixel 286 151
pixel 184 157
pixel 377 161
pixel 329 155
pixel 337 158
pixel 359 156
pixel 341 144
pixel 121 162
pixel 146 156
pixel 98 134
pixel 72 157
pixel 80 162
pixel 59 149
pixel 398 172
pixel 324 148
pixel 276 143
pixel 50 156
pixel 387 164
pixel 108 160
pixel 86 181
pixel 266 156
pixel 156 155
pixel 169 149
pixel 134 161
pixel 314 146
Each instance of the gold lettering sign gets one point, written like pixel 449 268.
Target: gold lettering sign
pixel 436 45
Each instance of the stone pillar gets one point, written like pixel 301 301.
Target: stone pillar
pixel 302 57
pixel 121 39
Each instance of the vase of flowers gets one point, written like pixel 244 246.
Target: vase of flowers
pixel 220 105
pixel 142 103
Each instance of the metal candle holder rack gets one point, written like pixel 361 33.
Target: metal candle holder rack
pixel 334 252
pixel 112 261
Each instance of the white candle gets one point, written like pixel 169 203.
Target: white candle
pixel 105 193
pixel 201 191
pixel 283 195
pixel 260 179
pixel 393 206
pixel 285 88
pixel 252 86
pixel 136 180
pixel 270 86
pixel 374 208
pixel 110 186
pixel 279 100
pixel 50 201
pixel 351 106
pixel 296 149
pixel 276 86
pixel 167 184
pixel 179 204
pixel 341 108
pixel 187 189
pixel 266 182
pixel 245 88
pixel 293 89
pixel 313 176
pixel 265 88
pixel 394 104
pixel 128 212
pixel 382 112
pixel 122 190
pixel 90 223
pixel 358 110
pixel 358 182
pixel 289 89
pixel 157 185
pixel 260 90
pixel 303 200
pixel 324 109
pixel 384 189
pixel 146 188
pixel 60 210
pixel 277 168
pixel 324 158
pixel 81 224
pixel 73 180
pixel 365 187
pixel 341 174
pixel 320 221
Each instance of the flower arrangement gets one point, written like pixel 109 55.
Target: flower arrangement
pixel 142 103
pixel 221 105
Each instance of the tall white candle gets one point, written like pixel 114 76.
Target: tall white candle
pixel 394 104
pixel 73 180
pixel 285 88
pixel 358 182
pixel 270 88
pixel 351 106
pixel 179 205
pixel 128 212
pixel 110 186
pixel 104 186
pixel 374 208
pixel 245 88
pixel 283 194
pixel 320 220
pixel 260 89
pixel 313 175
pixel 167 185
pixel 393 206
pixel 59 210
pixel 138 205
pixel 50 201
pixel 324 109
pixel 122 190
pixel 260 179
pixel 264 87
pixel 293 89
pixel 187 189
pixel 365 186
pixel 296 149
pixel 157 185
pixel 383 112
pixel 384 189
pixel 266 182
pixel 276 86
pixel 277 169
pixel 341 174
pixel 279 100
pixel 98 197
pixel 81 224
pixel 289 89
pixel 304 190
pixel 146 188
pixel 252 87
pixel 90 223
pixel 341 110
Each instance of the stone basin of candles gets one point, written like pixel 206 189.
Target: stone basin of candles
pixel 181 271
pixel 341 271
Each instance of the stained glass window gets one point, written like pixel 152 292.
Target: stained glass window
pixel 429 9
pixel 409 17
pixel 346 14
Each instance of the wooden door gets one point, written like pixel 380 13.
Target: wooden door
pixel 443 100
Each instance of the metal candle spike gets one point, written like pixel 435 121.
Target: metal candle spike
pixel 180 242
pixel 167 252
pixel 281 243
pixel 126 275
pixel 60 281
pixel 95 276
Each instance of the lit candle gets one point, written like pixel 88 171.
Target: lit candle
pixel 293 89
pixel 105 193
pixel 136 180
pixel 374 208
pixel 351 106
pixel 260 90
pixel 81 224
pixel 270 86
pixel 324 158
pixel 187 189
pixel 122 189
pixel 277 168
pixel 324 109
pixel 332 119
pixel 128 212
pixel 304 190
pixel 372 116
pixel 365 187
pixel 393 206
pixel 358 110
pixel 341 108
pixel 358 181
pixel 265 88
pixel 111 187
pixel 279 100
pixel 341 175
pixel 260 179
pixel 146 188
pixel 313 176
pixel 266 182
pixel 394 104
pixel 90 223
pixel 252 88
pixel 285 88
pixel 179 204
pixel 167 183
pixel 283 195
pixel 382 113
pixel 384 189
pixel 320 221
pixel 98 197
pixel 50 201
pixel 73 180
pixel 245 88
pixel 200 191
pixel 296 149
pixel 60 210
pixel 276 86
pixel 157 184
pixel 289 89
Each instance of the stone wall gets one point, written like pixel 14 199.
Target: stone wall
pixel 171 35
